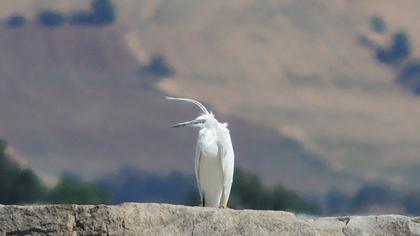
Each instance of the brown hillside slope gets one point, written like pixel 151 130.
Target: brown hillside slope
pixel 72 101
pixel 294 66
pixel 298 67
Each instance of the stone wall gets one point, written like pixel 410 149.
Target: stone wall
pixel 163 219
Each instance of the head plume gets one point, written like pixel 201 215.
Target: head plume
pixel 201 106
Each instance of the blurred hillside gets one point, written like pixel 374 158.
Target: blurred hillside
pixel 308 104
pixel 22 186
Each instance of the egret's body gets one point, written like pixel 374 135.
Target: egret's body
pixel 214 159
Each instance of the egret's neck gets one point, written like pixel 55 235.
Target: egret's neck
pixel 207 134
pixel 214 132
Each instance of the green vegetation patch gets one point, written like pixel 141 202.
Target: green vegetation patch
pixel 20 186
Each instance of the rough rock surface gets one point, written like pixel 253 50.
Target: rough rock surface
pixel 163 219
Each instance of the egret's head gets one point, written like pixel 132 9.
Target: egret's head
pixel 206 120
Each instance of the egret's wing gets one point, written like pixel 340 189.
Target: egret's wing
pixel 197 172
pixel 227 161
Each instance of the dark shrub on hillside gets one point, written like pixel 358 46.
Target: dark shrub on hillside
pixel 384 56
pixel 102 12
pixel 401 47
pixel 51 18
pixel 157 68
pixel 378 24
pixel 372 194
pixel 409 77
pixel 16 20
pixel 398 51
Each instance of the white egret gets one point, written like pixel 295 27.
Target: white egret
pixel 214 157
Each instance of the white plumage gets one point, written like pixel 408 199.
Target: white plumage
pixel 214 157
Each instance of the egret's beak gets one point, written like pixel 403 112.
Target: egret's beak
pixel 188 123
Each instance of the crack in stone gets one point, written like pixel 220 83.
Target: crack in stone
pixel 345 219
pixel 123 226
pixel 193 227
pixel 344 231
pixel 30 231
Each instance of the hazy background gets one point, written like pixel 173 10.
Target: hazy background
pixel 322 98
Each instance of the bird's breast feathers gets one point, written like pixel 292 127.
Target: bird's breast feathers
pixel 207 143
